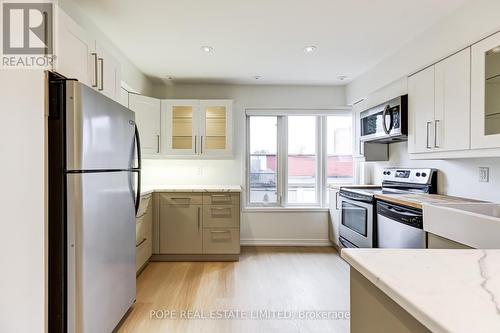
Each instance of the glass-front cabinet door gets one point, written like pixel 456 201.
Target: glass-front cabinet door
pixel 485 93
pixel 216 129
pixel 180 124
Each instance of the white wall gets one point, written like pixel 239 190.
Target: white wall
pixel 476 20
pixel 22 199
pixel 131 75
pixel 257 227
pixel 455 177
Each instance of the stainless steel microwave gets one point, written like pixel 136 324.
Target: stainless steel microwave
pixel 386 123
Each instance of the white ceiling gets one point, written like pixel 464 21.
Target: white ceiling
pixel 262 37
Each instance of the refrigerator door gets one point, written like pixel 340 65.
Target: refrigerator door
pixel 101 250
pixel 99 131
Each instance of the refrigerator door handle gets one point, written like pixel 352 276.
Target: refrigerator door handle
pixel 138 145
pixel 137 190
pixel 138 170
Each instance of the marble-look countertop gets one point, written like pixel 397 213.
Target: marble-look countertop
pixel 190 188
pixel 445 290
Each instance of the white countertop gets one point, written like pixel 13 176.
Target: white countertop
pixel 445 290
pixel 190 188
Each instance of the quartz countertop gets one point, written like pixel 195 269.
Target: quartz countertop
pixel 445 290
pixel 190 188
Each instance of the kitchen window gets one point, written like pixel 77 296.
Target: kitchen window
pixel 293 156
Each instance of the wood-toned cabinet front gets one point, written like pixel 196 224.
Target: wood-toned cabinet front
pixel 199 223
pixel 180 223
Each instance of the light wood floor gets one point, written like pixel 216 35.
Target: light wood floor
pixel 290 279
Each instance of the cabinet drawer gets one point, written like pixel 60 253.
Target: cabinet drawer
pixel 181 198
pixel 142 229
pixel 221 198
pixel 221 240
pixel 143 205
pixel 143 252
pixel 225 216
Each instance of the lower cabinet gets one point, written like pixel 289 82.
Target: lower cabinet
pixel 144 233
pixel 438 242
pixel 198 224
pixel 335 216
pixel 180 223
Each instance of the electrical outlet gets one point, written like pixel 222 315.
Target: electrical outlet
pixel 199 171
pixel 484 174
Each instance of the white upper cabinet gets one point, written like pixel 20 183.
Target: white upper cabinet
pixel 197 128
pixel 80 56
pixel 439 106
pixel 216 127
pixel 180 125
pixel 73 48
pixel 421 111
pixel 108 72
pixel 485 97
pixel 147 117
pixel 452 103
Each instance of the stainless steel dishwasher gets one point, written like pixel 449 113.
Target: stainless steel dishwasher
pixel 400 227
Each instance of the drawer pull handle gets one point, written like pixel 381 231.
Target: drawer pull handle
pixel 181 199
pixel 141 242
pixel 220 231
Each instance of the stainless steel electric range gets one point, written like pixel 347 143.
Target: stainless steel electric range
pixel 358 226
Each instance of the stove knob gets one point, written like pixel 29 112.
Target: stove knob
pixel 418 174
pixel 388 173
pixel 424 174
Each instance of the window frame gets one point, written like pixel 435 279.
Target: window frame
pixel 282 155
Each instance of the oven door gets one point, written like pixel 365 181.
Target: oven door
pixel 357 223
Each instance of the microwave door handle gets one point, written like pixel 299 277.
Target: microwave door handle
pixel 386 130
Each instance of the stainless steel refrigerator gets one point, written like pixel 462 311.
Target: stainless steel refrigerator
pixel 94 191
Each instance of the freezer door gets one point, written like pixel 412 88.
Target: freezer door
pixel 99 131
pixel 101 250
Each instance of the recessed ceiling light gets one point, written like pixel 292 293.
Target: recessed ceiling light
pixel 257 77
pixel 207 49
pixel 310 49
pixel 496 49
pixel 342 77
pixel 169 77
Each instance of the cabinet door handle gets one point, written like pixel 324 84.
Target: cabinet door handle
pixel 158 144
pixel 337 200
pixel 201 144
pixel 199 218
pixel 101 60
pixel 94 84
pixel 141 242
pixel 428 146
pixel 195 144
pixel 436 122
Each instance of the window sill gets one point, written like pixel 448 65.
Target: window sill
pixel 284 209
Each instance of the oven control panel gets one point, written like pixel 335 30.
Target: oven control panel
pixel 408 175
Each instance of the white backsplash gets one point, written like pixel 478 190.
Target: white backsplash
pixel 191 172
pixel 458 177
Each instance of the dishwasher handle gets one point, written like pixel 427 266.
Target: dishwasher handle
pixel 409 216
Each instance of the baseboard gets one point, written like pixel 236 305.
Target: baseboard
pixel 285 242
